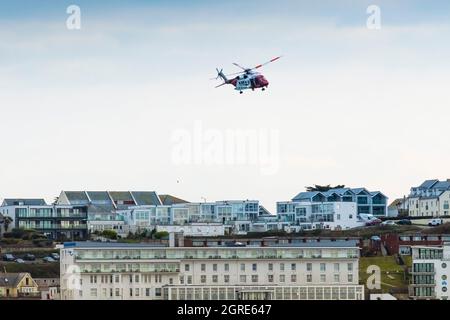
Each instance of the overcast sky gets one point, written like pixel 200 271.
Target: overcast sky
pixel 97 108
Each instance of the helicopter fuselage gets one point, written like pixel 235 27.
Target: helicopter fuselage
pixel 249 81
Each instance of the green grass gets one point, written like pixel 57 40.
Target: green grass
pixel 392 274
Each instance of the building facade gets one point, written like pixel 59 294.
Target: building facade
pixel 18 285
pixel 314 270
pixel 367 202
pixel 60 222
pixel 305 215
pixel 430 272
pixel 430 199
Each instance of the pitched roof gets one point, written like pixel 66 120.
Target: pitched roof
pixel 25 202
pixel 77 197
pixel 359 190
pixel 264 211
pixel 305 195
pixel 396 203
pixel 146 198
pixel 428 184
pixel 168 200
pixel 442 185
pixel 340 191
pixel 11 279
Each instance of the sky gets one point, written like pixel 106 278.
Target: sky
pixel 110 106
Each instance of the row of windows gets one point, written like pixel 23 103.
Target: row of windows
pixel 132 292
pixel 281 266
pixel 270 278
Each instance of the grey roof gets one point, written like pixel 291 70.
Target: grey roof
pixel 428 184
pixel 341 191
pixel 98 196
pixel 442 185
pixel 306 195
pixel 359 190
pixel 146 198
pixel 11 279
pixel 77 197
pixel 121 196
pixel 167 199
pixel 264 212
pixel 26 202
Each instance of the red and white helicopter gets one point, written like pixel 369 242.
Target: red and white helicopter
pixel 246 79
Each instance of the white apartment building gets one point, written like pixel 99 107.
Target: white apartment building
pixel 302 270
pixel 319 215
pixel 430 199
pixel 430 272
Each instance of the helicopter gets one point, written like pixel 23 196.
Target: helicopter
pixel 246 79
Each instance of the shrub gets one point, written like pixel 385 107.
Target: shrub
pixel 161 234
pixel 110 234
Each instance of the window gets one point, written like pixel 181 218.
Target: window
pixel 203 279
pixel 215 278
pixel 136 292
pixel 203 267
pixel 226 278
pixel 189 279
pixel 293 267
pixel 117 292
pixel 186 267
pixel 242 278
pixel 323 267
pixel 349 266
pixel 93 292
pixel 147 292
pixel 270 266
pixel 336 278
pixel 444 265
pixel 254 278
pixel 336 267
pixel 158 292
pixel 170 280
pixel 309 267
pixel 181 279
pixel 350 278
pixel 227 267
pixel 136 278
pixel 294 278
pixel 117 278
pixel 215 267
pixel 282 278
pixel 323 278
pixel 254 267
pixel 309 278
pixel 281 266
pixel 242 267
pixel 270 277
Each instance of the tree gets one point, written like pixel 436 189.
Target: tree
pixel 110 234
pixel 161 234
pixel 323 188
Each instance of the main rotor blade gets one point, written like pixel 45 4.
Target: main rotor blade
pixel 233 74
pixel 220 85
pixel 262 65
pixel 239 66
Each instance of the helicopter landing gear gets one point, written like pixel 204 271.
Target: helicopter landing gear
pixel 263 89
pixel 241 92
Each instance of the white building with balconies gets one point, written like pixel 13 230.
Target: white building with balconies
pixel 316 270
